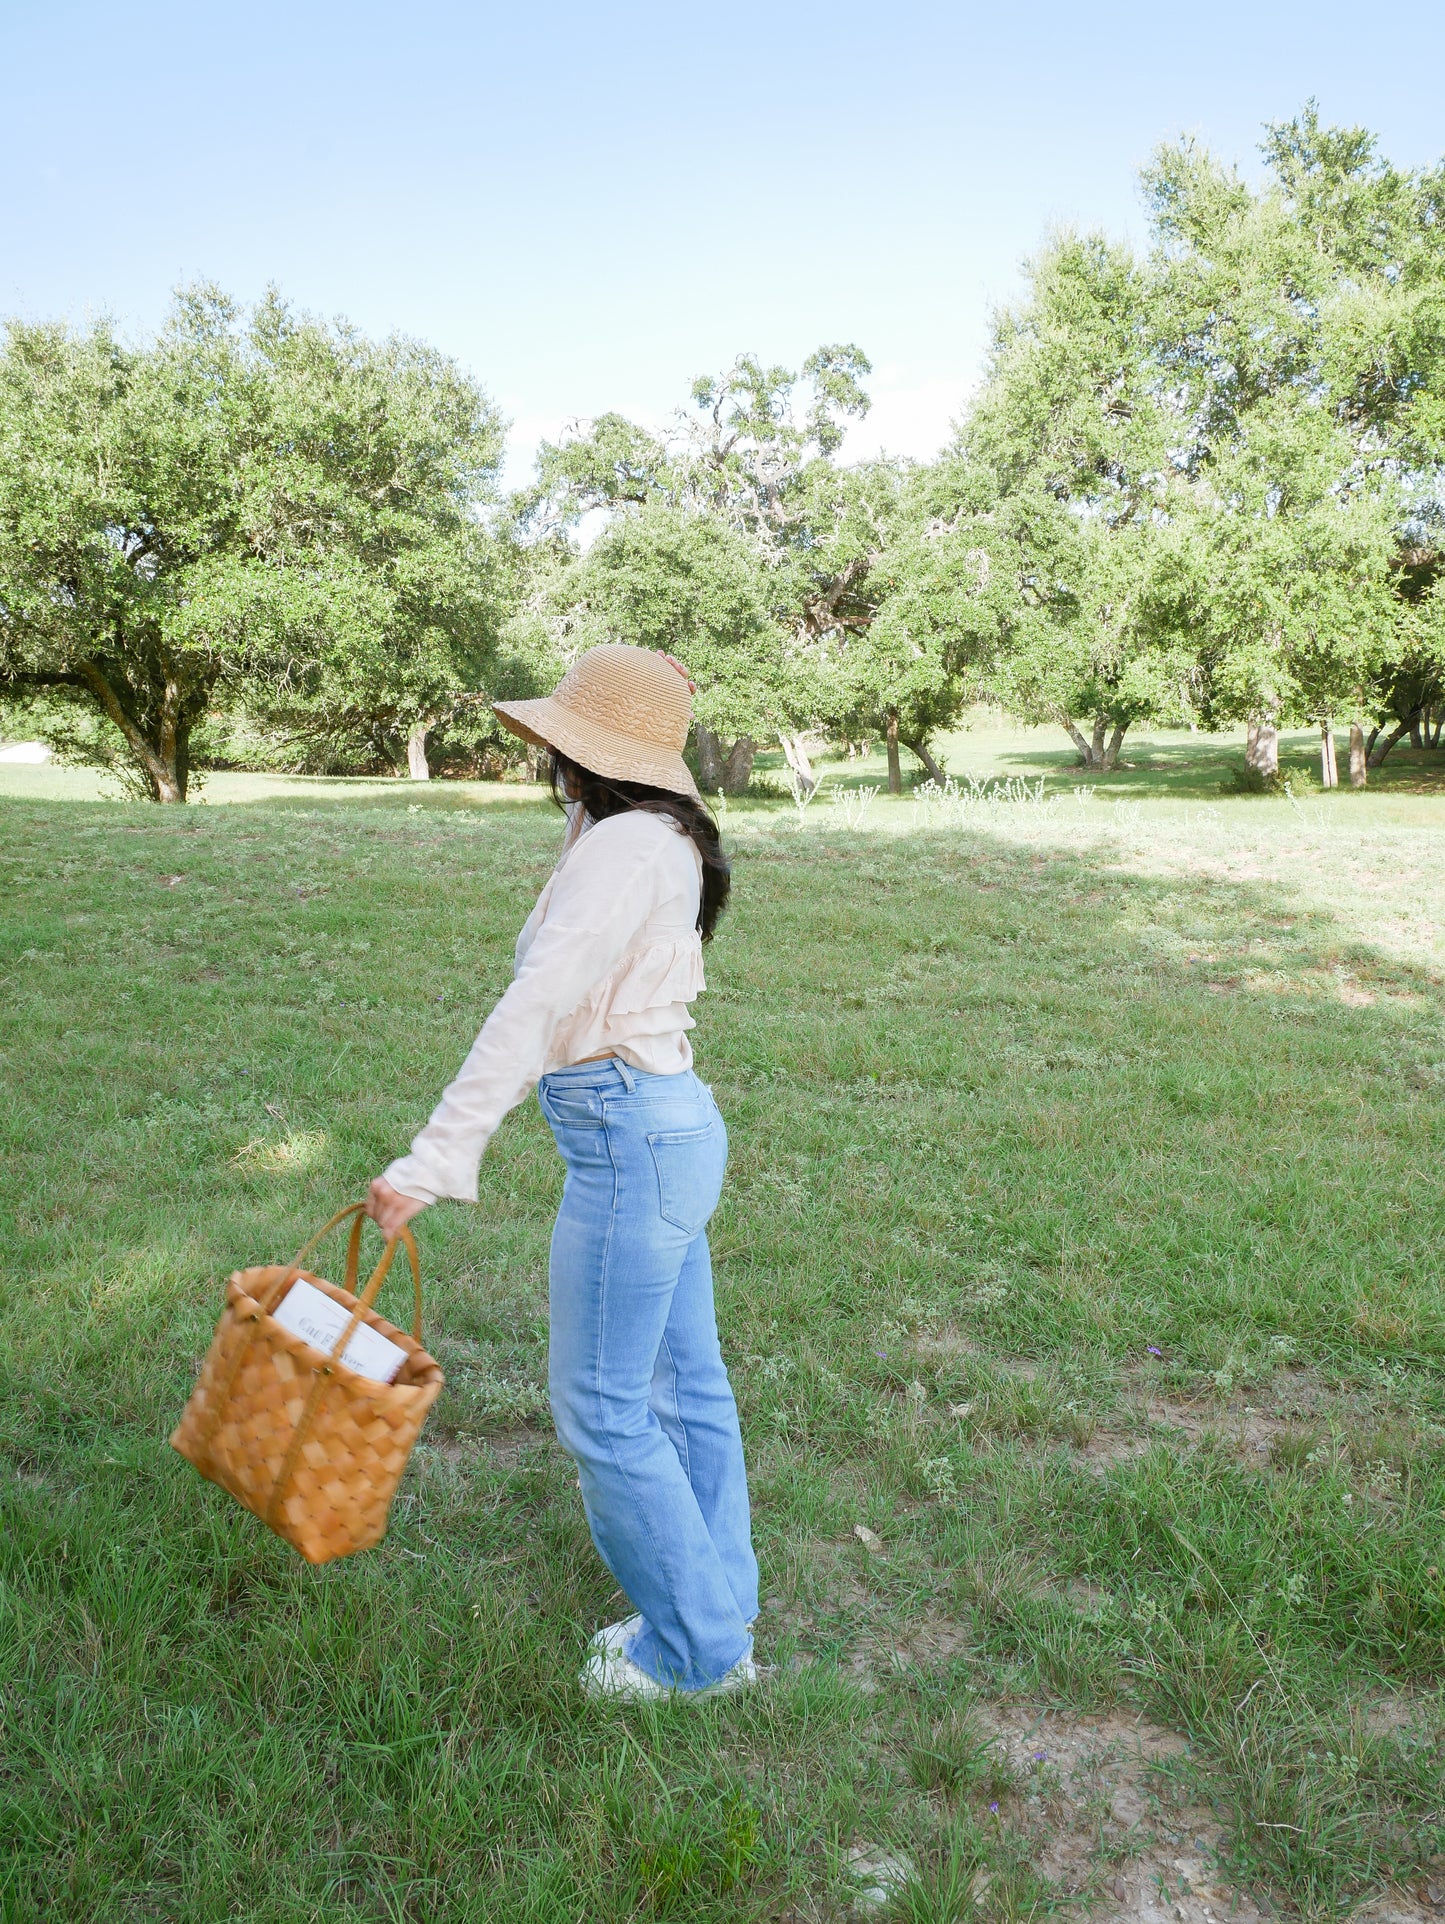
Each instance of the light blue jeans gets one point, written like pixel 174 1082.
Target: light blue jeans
pixel 640 1395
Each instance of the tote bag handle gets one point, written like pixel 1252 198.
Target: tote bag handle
pixel 353 1263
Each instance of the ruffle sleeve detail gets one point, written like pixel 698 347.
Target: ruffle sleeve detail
pixel 650 978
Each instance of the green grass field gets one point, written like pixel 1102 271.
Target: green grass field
pixel 1082 1247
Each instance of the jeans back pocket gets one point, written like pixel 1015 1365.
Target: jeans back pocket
pixel 690 1165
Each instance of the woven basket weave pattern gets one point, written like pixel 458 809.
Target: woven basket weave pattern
pixel 258 1382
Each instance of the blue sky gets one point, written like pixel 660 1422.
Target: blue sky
pixel 588 205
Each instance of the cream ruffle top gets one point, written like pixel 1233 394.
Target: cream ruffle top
pixel 606 964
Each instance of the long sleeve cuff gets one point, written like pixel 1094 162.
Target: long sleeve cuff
pixel 406 1177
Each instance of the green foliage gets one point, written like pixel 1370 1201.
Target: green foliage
pixel 687 583
pixel 1279 308
pixel 1252 781
pixel 1201 482
pixel 770 538
pixel 1228 451
pixel 615 464
pixel 1074 426
pixel 954 1755
pixel 258 505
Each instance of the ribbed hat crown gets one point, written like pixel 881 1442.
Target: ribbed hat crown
pixel 630 691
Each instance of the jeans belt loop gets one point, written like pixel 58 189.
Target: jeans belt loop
pixel 629 1082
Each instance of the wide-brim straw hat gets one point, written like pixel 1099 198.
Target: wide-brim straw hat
pixel 623 712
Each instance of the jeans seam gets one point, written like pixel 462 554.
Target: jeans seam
pixel 686 1454
pixel 618 1464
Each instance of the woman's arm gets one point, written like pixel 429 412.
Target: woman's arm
pixel 600 898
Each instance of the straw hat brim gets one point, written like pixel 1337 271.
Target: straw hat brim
pixel 623 758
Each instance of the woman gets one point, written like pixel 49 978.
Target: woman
pixel 597 1018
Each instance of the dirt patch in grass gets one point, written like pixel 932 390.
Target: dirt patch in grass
pixel 1113 1829
pixel 1110 1826
pixel 1261 1428
pixel 930 1643
pixel 1404 1712
pixel 508 1447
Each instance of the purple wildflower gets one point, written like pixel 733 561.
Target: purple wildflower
pixel 1155 1352
pixel 994 1809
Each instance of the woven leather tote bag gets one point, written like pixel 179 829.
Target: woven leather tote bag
pixel 315 1450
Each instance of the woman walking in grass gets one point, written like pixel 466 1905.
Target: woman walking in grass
pixel 597 1018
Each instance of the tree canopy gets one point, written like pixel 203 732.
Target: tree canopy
pixel 259 504
pixel 1200 481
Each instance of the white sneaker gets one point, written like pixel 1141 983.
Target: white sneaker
pixel 742 1676
pixel 614 1636
pixel 607 1673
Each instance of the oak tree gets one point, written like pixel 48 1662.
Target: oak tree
pixel 257 506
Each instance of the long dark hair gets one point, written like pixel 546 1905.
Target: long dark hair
pixel 600 797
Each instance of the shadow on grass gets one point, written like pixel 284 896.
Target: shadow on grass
pixel 1184 770
pixel 1205 772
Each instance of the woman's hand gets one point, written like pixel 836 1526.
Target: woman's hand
pixel 389 1209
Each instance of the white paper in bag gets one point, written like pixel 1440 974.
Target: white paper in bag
pixel 310 1312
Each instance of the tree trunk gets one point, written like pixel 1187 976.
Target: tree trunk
pixel 895 772
pixel 1261 749
pixel 416 761
pixel 709 759
pixel 165 765
pixel 173 747
pixel 737 770
pixel 795 754
pixel 1415 741
pixel 1359 773
pixel 934 769
pixel 182 762
pixel 1102 752
pixel 168 782
pixel 1329 773
pixel 1386 742
pixel 1066 722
